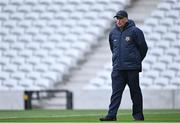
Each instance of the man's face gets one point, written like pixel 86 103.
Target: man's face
pixel 121 21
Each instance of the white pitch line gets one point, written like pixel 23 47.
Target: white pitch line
pixel 64 116
pixel 98 122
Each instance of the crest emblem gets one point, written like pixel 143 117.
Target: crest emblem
pixel 127 38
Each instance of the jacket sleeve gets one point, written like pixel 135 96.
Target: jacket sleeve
pixel 110 42
pixel 141 43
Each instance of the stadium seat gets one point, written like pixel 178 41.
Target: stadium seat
pixel 26 53
pixel 39 23
pixel 173 52
pixel 3 88
pixel 51 76
pixel 42 68
pixel 43 83
pixel 18 75
pixel 17 31
pixel 167 22
pixel 152 74
pixel 170 1
pixel 24 8
pixel 18 60
pixel 162 81
pixel 30 2
pixel 25 68
pixel 173 14
pixel 4 61
pixel 3 3
pixel 56 53
pixel 45 2
pixel 26 83
pixel 166 59
pixel 174 66
pixel 59 68
pixel 161 29
pixel 10 82
pixel 163 44
pixel 155 37
pixel 32 16
pixel 10 53
pixel 175 81
pixel 33 75
pixel 170 37
pixel 10 38
pixel 159 66
pixel 10 9
pixel 158 14
pixel 177 59
pixel 24 23
pixel 9 24
pixel 25 38
pixel 157 52
pixel 17 46
pixel 77 2
pixel 151 22
pixel 164 6
pixel 59 2
pixel 175 29
pixel 146 29
pixel 42 53
pixel 83 8
pixel 48 61
pixel 10 68
pixel 146 66
pixel 176 6
pixel 3 31
pixel 150 59
pixel 145 81
pixel 168 74
pixel 34 60
pixel 54 24
pixel 4 76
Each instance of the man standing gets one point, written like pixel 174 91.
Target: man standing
pixel 129 48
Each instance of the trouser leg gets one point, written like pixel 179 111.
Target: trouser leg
pixel 136 95
pixel 118 85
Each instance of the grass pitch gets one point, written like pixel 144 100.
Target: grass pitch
pixel 84 116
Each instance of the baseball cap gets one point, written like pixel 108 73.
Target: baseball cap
pixel 121 14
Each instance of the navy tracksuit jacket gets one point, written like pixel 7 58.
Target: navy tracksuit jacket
pixel 128 48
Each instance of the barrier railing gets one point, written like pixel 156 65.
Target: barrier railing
pixel 43 97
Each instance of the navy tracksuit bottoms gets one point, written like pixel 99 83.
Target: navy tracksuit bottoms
pixel 119 80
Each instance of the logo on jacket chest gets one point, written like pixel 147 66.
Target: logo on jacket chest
pixel 128 38
pixel 114 40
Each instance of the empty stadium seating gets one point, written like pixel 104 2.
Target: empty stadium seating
pixel 161 66
pixel 41 40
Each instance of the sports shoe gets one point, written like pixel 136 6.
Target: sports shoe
pixel 138 117
pixel 108 118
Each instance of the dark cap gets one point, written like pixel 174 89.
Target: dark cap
pixel 121 14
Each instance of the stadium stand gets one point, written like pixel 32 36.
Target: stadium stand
pixel 41 40
pixel 44 41
pixel 161 66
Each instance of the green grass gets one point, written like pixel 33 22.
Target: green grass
pixel 84 116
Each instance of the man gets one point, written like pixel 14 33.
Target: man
pixel 129 48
